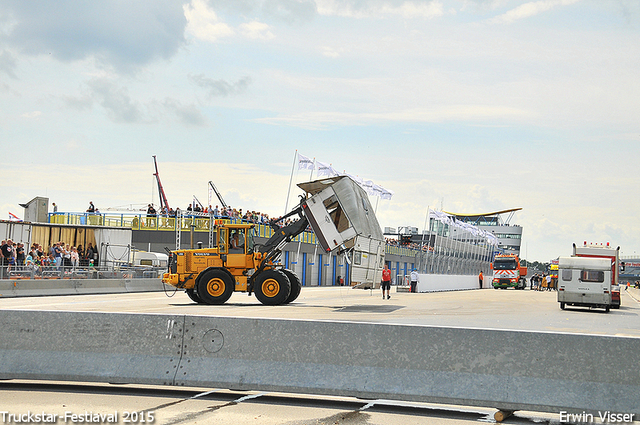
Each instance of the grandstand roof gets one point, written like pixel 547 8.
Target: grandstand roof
pixel 483 215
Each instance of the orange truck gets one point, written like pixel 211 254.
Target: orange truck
pixel 507 272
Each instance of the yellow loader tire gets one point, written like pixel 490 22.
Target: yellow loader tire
pixel 272 287
pixel 214 287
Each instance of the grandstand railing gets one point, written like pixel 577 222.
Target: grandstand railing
pixel 113 271
pixel 140 221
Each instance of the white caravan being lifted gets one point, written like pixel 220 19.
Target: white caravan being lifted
pixel 584 282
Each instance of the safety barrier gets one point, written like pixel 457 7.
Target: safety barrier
pixel 50 287
pixel 508 370
pixel 445 282
pixel 91 347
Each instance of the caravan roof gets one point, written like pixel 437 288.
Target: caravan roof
pixel 584 263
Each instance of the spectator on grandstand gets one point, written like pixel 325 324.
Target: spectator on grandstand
pixel 91 208
pixel 8 254
pixel 66 255
pixel 75 257
pixel 90 253
pixel 151 214
pixel 33 252
pixel 20 254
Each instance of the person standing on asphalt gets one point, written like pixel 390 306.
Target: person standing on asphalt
pixel 480 279
pixel 386 281
pixel 414 280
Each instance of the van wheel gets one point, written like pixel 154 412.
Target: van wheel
pixel 272 287
pixel 606 309
pixel 296 286
pixel 214 287
pixel 561 306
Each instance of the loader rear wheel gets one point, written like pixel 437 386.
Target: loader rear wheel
pixel 194 295
pixel 214 287
pixel 296 286
pixel 272 287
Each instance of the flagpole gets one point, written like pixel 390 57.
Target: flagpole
pixel 286 205
pixel 312 168
pixel 422 241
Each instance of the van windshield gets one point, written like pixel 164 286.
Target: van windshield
pixel 506 264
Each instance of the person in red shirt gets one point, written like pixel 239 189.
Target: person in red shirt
pixel 386 281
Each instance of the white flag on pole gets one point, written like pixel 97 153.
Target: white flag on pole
pixel 325 170
pixel 386 194
pixel 305 163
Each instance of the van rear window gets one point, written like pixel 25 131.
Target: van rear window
pixel 596 276
pixel 566 275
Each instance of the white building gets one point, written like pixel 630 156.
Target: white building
pixel 498 223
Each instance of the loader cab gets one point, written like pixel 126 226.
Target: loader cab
pixel 235 243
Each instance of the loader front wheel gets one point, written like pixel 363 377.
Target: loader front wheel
pixel 272 287
pixel 214 287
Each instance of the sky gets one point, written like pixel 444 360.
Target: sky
pixel 466 106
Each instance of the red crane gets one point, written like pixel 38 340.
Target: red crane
pixel 163 197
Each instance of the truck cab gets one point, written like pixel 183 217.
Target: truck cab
pixel 507 272
pixel 584 282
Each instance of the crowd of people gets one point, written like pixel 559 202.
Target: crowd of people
pixel 542 282
pixel 247 216
pixel 217 212
pixel 57 256
pixel 413 245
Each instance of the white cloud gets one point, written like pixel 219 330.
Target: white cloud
pixel 34 114
pixel 380 9
pixel 256 30
pixel 331 52
pixel 122 35
pixel 530 9
pixel 203 22
pixel 325 119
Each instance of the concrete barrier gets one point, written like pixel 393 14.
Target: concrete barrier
pixel 439 282
pixel 40 287
pixel 508 370
pixel 50 287
pixel 93 347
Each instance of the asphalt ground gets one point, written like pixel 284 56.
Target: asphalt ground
pixel 487 308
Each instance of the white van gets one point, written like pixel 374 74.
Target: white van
pixel 584 282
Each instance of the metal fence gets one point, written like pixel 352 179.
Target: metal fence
pixel 85 272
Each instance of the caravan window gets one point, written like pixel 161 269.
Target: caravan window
pixel 338 216
pixel 596 276
pixel 357 258
pixel 566 275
